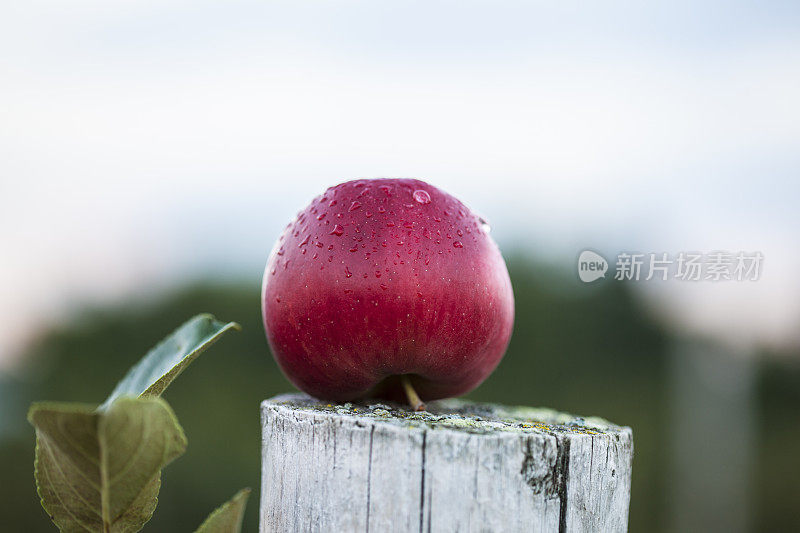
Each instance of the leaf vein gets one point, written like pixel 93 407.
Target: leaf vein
pixel 66 483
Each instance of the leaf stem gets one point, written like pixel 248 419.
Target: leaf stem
pixel 413 398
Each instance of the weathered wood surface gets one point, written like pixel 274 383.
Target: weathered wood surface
pixel 460 466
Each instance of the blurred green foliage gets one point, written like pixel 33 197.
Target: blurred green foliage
pixel 587 349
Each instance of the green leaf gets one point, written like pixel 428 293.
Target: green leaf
pixel 228 517
pixel 156 370
pixel 101 470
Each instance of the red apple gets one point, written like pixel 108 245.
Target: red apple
pixel 386 285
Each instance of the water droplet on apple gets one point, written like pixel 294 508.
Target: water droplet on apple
pixel 347 272
pixel 355 205
pixel 457 244
pixel 337 230
pixel 321 215
pixel 304 241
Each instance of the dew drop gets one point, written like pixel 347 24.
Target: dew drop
pixel 278 300
pixel 347 272
pixel 368 214
pixel 384 286
pixel 332 203
pixel 484 225
pixel 337 230
pixel 354 248
pixel 457 244
pixel 321 215
pixel 381 209
pixel 355 205
pixel 303 242
pixel 459 233
pixel 377 273
pixel 319 244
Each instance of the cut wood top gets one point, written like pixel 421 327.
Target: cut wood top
pixel 457 415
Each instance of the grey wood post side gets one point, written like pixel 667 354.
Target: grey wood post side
pixel 460 466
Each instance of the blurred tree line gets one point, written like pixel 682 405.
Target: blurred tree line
pixel 587 349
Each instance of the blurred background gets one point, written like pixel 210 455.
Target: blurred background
pixel 151 152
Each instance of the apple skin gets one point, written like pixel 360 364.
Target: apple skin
pixel 378 278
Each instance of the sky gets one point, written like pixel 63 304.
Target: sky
pixel 144 144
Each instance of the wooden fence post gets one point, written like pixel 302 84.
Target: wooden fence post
pixel 460 466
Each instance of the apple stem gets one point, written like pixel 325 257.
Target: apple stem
pixel 413 398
